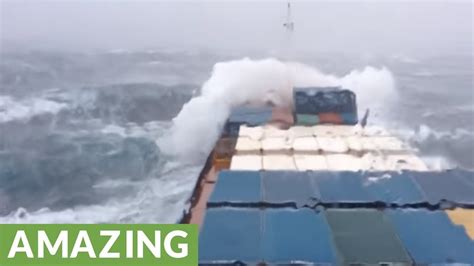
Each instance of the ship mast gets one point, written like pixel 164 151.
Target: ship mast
pixel 289 25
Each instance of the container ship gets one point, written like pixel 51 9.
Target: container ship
pixel 311 184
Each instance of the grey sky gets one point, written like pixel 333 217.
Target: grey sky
pixel 347 27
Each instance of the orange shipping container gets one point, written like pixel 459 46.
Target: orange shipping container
pixel 221 164
pixel 330 118
pixel 225 148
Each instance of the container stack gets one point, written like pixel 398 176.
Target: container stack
pixel 321 147
pixel 223 152
pixel 339 218
pixel 282 117
pixel 334 194
pixel 245 115
pixel 324 105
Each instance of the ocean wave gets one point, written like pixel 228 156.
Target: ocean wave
pixel 156 201
pixel 450 111
pixel 61 170
pixel 238 82
pixel 424 133
pixel 104 155
pixel 11 109
pixel 442 149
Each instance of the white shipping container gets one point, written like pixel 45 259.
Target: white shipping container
pixel 332 144
pixel 276 145
pixel 246 162
pixel 246 145
pixel 305 145
pixel 344 162
pixel 305 162
pixel 278 162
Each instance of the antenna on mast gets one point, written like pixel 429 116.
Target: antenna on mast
pixel 289 25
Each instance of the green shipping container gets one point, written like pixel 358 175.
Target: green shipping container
pixel 307 120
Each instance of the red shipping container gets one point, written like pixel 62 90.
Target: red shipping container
pixel 282 115
pixel 330 118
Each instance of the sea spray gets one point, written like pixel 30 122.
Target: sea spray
pixel 199 123
pixel 11 109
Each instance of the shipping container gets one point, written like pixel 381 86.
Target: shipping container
pixel 327 194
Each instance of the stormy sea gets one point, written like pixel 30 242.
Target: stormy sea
pixel 104 137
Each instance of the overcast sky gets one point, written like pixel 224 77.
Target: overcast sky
pixel 333 26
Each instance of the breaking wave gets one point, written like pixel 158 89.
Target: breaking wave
pixel 424 133
pixel 89 155
pixel 149 201
pixel 257 82
pixel 11 109
pixel 443 149
pixel 101 153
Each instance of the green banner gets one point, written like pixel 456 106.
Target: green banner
pixel 98 244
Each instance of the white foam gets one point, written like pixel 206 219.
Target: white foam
pixel 10 109
pixel 437 163
pixel 159 201
pixel 424 132
pixel 196 128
